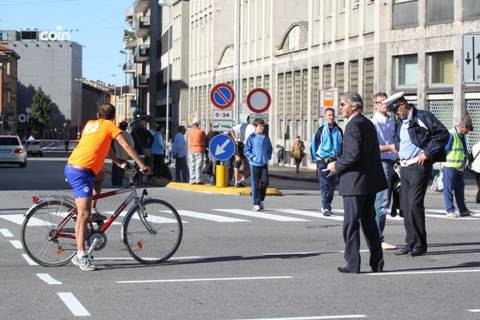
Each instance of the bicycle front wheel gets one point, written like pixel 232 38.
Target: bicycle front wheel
pixel 152 231
pixel 38 234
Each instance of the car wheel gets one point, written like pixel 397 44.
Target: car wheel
pixel 24 164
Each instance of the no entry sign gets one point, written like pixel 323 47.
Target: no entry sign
pixel 222 96
pixel 258 100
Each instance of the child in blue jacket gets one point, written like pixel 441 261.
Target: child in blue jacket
pixel 258 150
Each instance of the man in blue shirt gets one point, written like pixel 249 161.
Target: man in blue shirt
pixel 421 139
pixel 179 153
pixel 158 153
pixel 326 148
pixel 384 125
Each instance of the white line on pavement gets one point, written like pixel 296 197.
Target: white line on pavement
pixel 129 258
pixel 310 214
pixel 73 304
pixel 18 219
pixel 204 279
pixel 401 273
pixel 45 277
pixel 29 261
pixel 16 244
pixel 207 216
pixel 261 215
pixel 6 233
pixel 474 310
pixel 347 316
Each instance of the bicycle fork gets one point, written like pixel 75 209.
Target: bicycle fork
pixel 142 214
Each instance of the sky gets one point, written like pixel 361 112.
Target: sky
pixel 100 25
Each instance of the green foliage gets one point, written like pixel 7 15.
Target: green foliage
pixel 41 111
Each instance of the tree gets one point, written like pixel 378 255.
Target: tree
pixel 41 111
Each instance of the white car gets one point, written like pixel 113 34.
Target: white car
pixel 33 147
pixel 12 151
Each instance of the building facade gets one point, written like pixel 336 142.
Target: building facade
pixel 297 49
pixel 8 89
pixel 50 61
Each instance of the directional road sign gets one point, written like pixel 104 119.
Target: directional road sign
pixel 222 147
pixel 471 58
pixel 258 100
pixel 222 95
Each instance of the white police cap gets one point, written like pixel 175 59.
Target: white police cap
pixel 390 102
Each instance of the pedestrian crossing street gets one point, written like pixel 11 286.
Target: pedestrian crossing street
pixel 235 215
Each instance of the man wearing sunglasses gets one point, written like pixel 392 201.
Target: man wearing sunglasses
pixel 421 139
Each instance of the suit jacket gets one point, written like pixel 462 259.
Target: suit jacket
pixel 359 167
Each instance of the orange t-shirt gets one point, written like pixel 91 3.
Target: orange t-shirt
pixel 94 145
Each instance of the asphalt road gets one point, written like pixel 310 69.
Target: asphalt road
pixel 276 266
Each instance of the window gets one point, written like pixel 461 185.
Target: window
pixel 341 6
pixel 340 78
pixel 406 70
pixel 327 76
pixel 405 14
pixel 471 9
pixel 439 11
pixel 281 96
pixel 368 79
pixel 353 76
pixel 314 92
pixel 355 4
pixel 328 8
pixel 441 69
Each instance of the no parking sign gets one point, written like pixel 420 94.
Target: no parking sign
pixel 222 95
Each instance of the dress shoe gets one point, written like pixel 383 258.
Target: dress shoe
pixel 344 270
pixel 417 252
pixel 404 250
pixel 379 267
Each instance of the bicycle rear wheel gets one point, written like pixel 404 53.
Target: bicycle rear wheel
pixel 152 231
pixel 38 229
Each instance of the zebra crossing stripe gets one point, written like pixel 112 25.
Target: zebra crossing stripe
pixel 261 215
pixel 313 214
pixel 18 219
pixel 210 217
pixel 6 233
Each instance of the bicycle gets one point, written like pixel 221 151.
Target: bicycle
pixel 151 229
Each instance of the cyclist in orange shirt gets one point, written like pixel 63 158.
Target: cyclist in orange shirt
pixel 85 175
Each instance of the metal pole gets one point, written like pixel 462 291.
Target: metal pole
pixel 237 52
pixel 167 126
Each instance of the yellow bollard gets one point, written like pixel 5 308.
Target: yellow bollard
pixel 221 176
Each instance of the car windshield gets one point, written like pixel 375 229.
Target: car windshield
pixel 9 141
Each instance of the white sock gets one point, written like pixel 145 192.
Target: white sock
pixel 81 254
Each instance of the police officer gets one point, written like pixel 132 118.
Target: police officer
pixel 421 139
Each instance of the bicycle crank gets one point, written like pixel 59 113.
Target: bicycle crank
pixel 97 241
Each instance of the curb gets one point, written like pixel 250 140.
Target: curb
pixel 232 191
pixel 284 177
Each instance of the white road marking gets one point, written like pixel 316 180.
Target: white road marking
pixel 347 316
pixel 444 216
pixel 310 214
pixel 45 277
pixel 72 303
pixel 261 215
pixel 204 279
pixel 29 261
pixel 402 273
pixel 207 216
pixel 130 258
pixel 151 218
pixel 474 310
pixel 6 233
pixel 16 244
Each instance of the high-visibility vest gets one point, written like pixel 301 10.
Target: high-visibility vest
pixel 456 155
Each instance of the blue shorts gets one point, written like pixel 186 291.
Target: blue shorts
pixel 80 180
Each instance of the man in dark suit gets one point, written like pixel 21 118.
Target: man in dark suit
pixel 361 177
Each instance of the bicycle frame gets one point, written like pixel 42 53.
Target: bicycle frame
pixel 133 196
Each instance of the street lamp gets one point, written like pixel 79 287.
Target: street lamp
pixel 114 76
pixel 164 3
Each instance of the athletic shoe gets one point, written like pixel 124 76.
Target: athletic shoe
pixel 96 216
pixel 261 205
pixel 327 213
pixel 84 263
pixel 452 215
pixel 388 246
pixel 256 208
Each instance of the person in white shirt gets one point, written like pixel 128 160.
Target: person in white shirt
pixel 240 133
pixel 475 167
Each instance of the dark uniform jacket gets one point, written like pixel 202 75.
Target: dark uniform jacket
pixel 427 133
pixel 359 168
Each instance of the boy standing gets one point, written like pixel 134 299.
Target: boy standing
pixel 258 150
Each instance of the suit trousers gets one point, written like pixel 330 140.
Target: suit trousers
pixel 360 210
pixel 414 180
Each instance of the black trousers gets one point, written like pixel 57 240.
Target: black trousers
pixel 414 180
pixel 360 210
pixel 117 175
pixel 159 165
pixel 259 183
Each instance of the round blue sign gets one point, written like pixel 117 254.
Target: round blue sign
pixel 222 147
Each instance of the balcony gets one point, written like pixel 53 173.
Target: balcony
pixel 128 68
pixel 129 39
pixel 142 81
pixel 143 26
pixel 141 6
pixel 142 53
